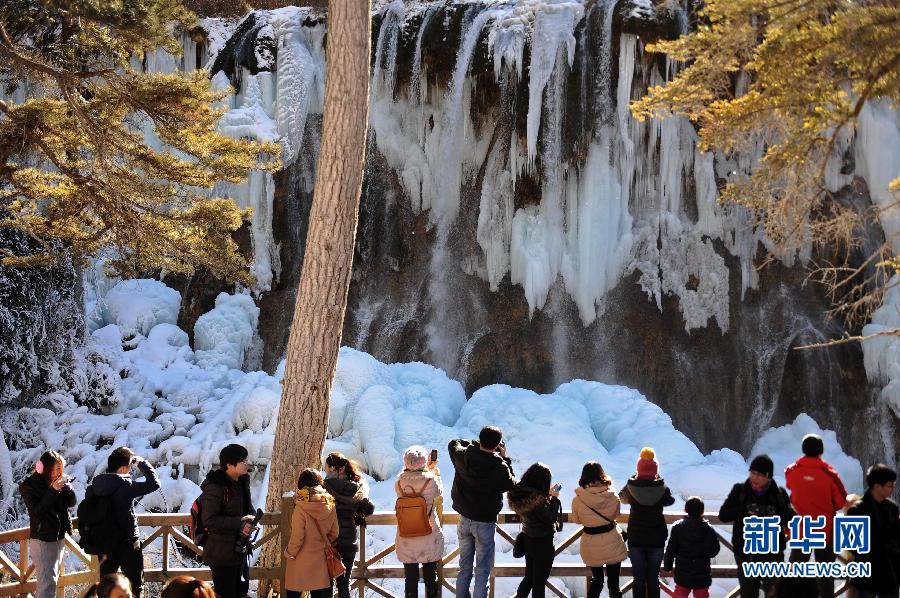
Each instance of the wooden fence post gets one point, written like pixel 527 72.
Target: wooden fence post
pixel 362 561
pixel 287 511
pixel 23 567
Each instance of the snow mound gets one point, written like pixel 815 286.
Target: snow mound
pixel 782 444
pixel 222 336
pixel 138 305
pixel 390 407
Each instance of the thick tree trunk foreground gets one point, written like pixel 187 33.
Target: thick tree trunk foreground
pixel 315 335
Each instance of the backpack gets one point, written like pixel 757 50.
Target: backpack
pixel 97 527
pixel 199 534
pixel 412 512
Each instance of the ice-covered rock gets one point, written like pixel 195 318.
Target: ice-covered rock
pixel 137 305
pixel 223 335
pixel 782 444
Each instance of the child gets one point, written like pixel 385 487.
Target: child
pixel 692 544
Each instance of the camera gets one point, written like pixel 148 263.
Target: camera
pixel 557 487
pixel 244 542
pixel 433 457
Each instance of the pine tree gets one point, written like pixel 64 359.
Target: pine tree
pixel 807 69
pixel 318 320
pixel 74 163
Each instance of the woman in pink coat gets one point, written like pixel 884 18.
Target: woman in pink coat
pixel 422 478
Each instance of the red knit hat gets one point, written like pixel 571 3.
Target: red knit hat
pixel 647 467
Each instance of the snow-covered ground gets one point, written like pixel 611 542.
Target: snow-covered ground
pixel 178 405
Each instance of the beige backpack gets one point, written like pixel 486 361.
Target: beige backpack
pixel 412 512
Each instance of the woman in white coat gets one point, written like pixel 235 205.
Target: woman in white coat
pixel 421 477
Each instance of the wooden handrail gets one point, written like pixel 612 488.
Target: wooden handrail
pixel 365 571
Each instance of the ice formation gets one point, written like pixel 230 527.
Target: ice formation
pixel 178 406
pixel 782 444
pixel 878 161
pixel 136 306
pixel 222 336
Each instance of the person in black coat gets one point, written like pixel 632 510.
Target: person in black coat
pixel 48 496
pixel 884 544
pixel 647 494
pixel 692 543
pixel 483 474
pixel 759 495
pixel 118 484
pixel 541 512
pixel 344 482
pixel 226 510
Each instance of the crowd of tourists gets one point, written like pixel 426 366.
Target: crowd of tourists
pixel 327 511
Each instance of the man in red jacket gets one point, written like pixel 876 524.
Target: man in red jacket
pixel 816 490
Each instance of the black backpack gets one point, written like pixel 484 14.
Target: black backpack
pixel 199 534
pixel 97 528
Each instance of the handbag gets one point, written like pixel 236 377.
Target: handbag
pixel 612 524
pixel 519 546
pixel 332 559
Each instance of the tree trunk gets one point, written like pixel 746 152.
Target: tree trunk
pixel 318 320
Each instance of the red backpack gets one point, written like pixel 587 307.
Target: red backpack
pixel 199 534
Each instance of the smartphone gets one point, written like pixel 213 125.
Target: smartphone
pixel 432 458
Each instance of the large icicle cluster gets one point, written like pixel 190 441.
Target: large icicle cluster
pixel 619 211
pixel 269 104
pixel 640 199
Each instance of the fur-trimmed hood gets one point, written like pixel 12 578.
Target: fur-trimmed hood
pixel 344 490
pixel 524 499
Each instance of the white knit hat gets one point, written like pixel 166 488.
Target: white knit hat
pixel 415 457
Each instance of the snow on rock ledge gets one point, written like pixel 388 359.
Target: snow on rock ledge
pixel 222 336
pixel 138 305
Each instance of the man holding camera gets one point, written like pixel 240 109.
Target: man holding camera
pixel 227 515
pixel 123 491
pixel 758 496
pixel 483 474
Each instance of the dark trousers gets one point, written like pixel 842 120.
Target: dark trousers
pixel 539 555
pixel 323 593
pixel 824 585
pixel 411 579
pixel 130 559
pixel 348 555
pixel 612 576
pixel 645 563
pixel 231 582
pixel 750 586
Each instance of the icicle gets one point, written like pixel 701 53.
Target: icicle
pixel 603 75
pixel 446 201
pixel 553 26
pixel 294 84
pixel 415 84
pixel 388 35
pixel 495 215
pixel 599 231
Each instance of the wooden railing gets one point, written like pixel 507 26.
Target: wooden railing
pixel 169 527
pixel 367 569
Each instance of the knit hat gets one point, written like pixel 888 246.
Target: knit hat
pixel 415 457
pixel 812 445
pixel 763 464
pixel 647 467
